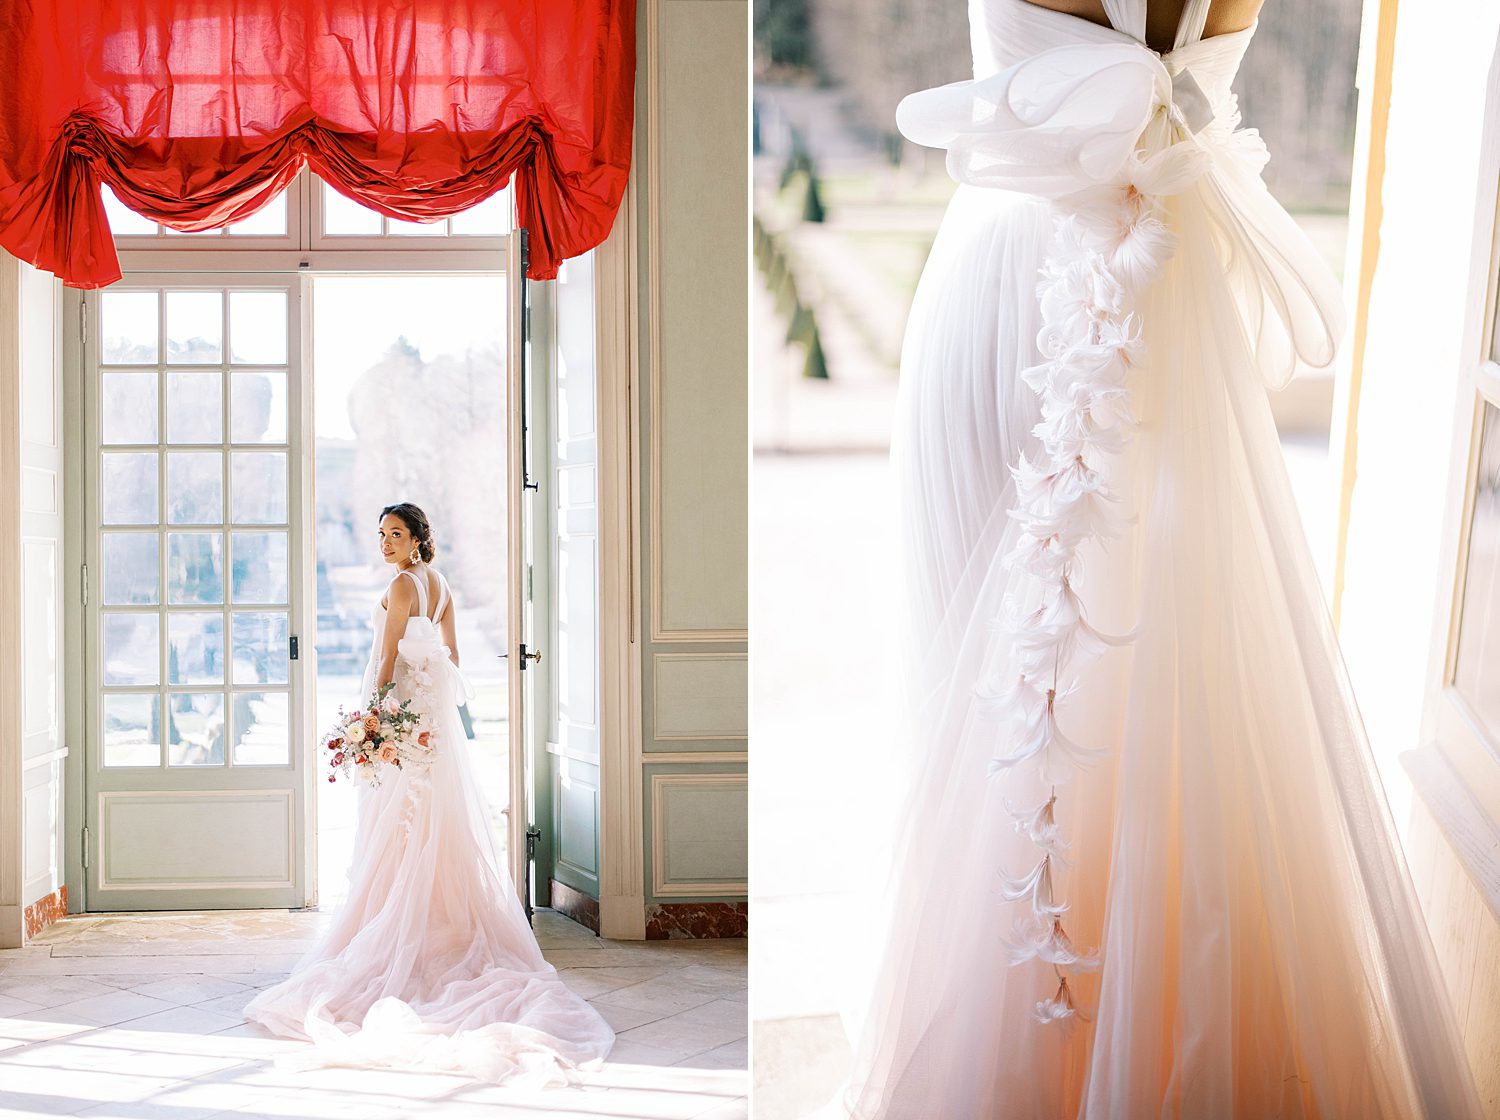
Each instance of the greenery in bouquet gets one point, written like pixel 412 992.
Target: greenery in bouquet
pixel 385 732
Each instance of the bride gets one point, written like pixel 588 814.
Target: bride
pixel 430 962
pixel 1145 867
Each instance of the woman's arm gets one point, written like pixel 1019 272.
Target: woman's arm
pixel 450 631
pixel 400 595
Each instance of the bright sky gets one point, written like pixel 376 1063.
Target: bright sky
pixel 356 318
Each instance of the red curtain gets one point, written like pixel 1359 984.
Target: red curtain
pixel 199 112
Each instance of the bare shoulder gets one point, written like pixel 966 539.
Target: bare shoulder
pixel 399 590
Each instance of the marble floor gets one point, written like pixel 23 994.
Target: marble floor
pixel 137 1017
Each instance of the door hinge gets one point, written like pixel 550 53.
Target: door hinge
pixel 85 845
pixel 83 585
pixel 528 581
pixel 294 647
pixel 83 319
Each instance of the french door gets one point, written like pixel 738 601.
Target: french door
pixel 194 499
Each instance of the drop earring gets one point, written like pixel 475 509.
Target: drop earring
pixel 412 559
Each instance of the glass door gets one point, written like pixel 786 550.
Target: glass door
pixel 194 495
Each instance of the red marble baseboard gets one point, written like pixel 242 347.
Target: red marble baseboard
pixel 46 910
pixel 667 921
pixel 575 904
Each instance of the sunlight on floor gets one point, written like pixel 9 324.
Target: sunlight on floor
pixel 136 1017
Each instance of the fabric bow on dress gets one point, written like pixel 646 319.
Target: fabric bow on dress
pixel 1107 133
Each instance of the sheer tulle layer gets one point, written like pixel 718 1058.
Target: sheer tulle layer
pixel 430 963
pixel 1263 953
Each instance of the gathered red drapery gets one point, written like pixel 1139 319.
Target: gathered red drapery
pixel 199 112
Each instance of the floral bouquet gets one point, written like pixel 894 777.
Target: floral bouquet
pixel 386 732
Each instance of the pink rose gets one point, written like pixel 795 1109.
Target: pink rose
pixel 387 753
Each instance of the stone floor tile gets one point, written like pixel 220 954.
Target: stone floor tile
pixel 104 1010
pixel 661 993
pixel 191 989
pixel 180 1020
pixel 732 1055
pixel 591 982
pixel 42 993
pixel 630 1051
pixel 625 1018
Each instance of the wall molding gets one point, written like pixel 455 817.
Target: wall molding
pixel 690 758
pixel 659 633
pixel 106 797
pixel 622 896
pixel 661 887
pixel 657 659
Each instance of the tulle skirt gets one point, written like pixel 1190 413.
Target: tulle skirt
pixel 430 963
pixel 1232 858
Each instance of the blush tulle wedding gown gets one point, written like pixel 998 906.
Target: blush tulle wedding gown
pixel 1146 868
pixel 430 963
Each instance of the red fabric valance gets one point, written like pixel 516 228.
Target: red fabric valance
pixel 199 112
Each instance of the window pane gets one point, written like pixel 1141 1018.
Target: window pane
pixel 261 653
pixel 257 327
pixel 132 568
pixel 195 735
pixel 127 406
pixel 268 221
pixel 257 407
pixel 397 228
pixel 195 407
pixel 260 568
pixel 261 732
pixel 258 483
pixel 195 648
pixel 123 221
pixel 132 649
pixel 128 328
pixel 1475 675
pixel 195 327
pixel 128 488
pixel 195 487
pixel 132 731
pixel 195 567
pixel 491 218
pixel 343 217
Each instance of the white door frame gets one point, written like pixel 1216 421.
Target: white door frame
pixel 617 311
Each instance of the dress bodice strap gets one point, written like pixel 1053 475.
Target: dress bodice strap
pixel 421 590
pixel 1191 23
pixel 1129 16
pixel 442 598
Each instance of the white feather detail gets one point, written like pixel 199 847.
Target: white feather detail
pixel 1034 887
pixel 1040 825
pixel 1045 939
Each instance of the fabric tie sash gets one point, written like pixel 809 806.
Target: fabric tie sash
pixel 429 661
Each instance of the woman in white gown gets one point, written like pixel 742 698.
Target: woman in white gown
pixel 1146 868
pixel 429 963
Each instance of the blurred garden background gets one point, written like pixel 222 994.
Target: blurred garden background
pixel 845 211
